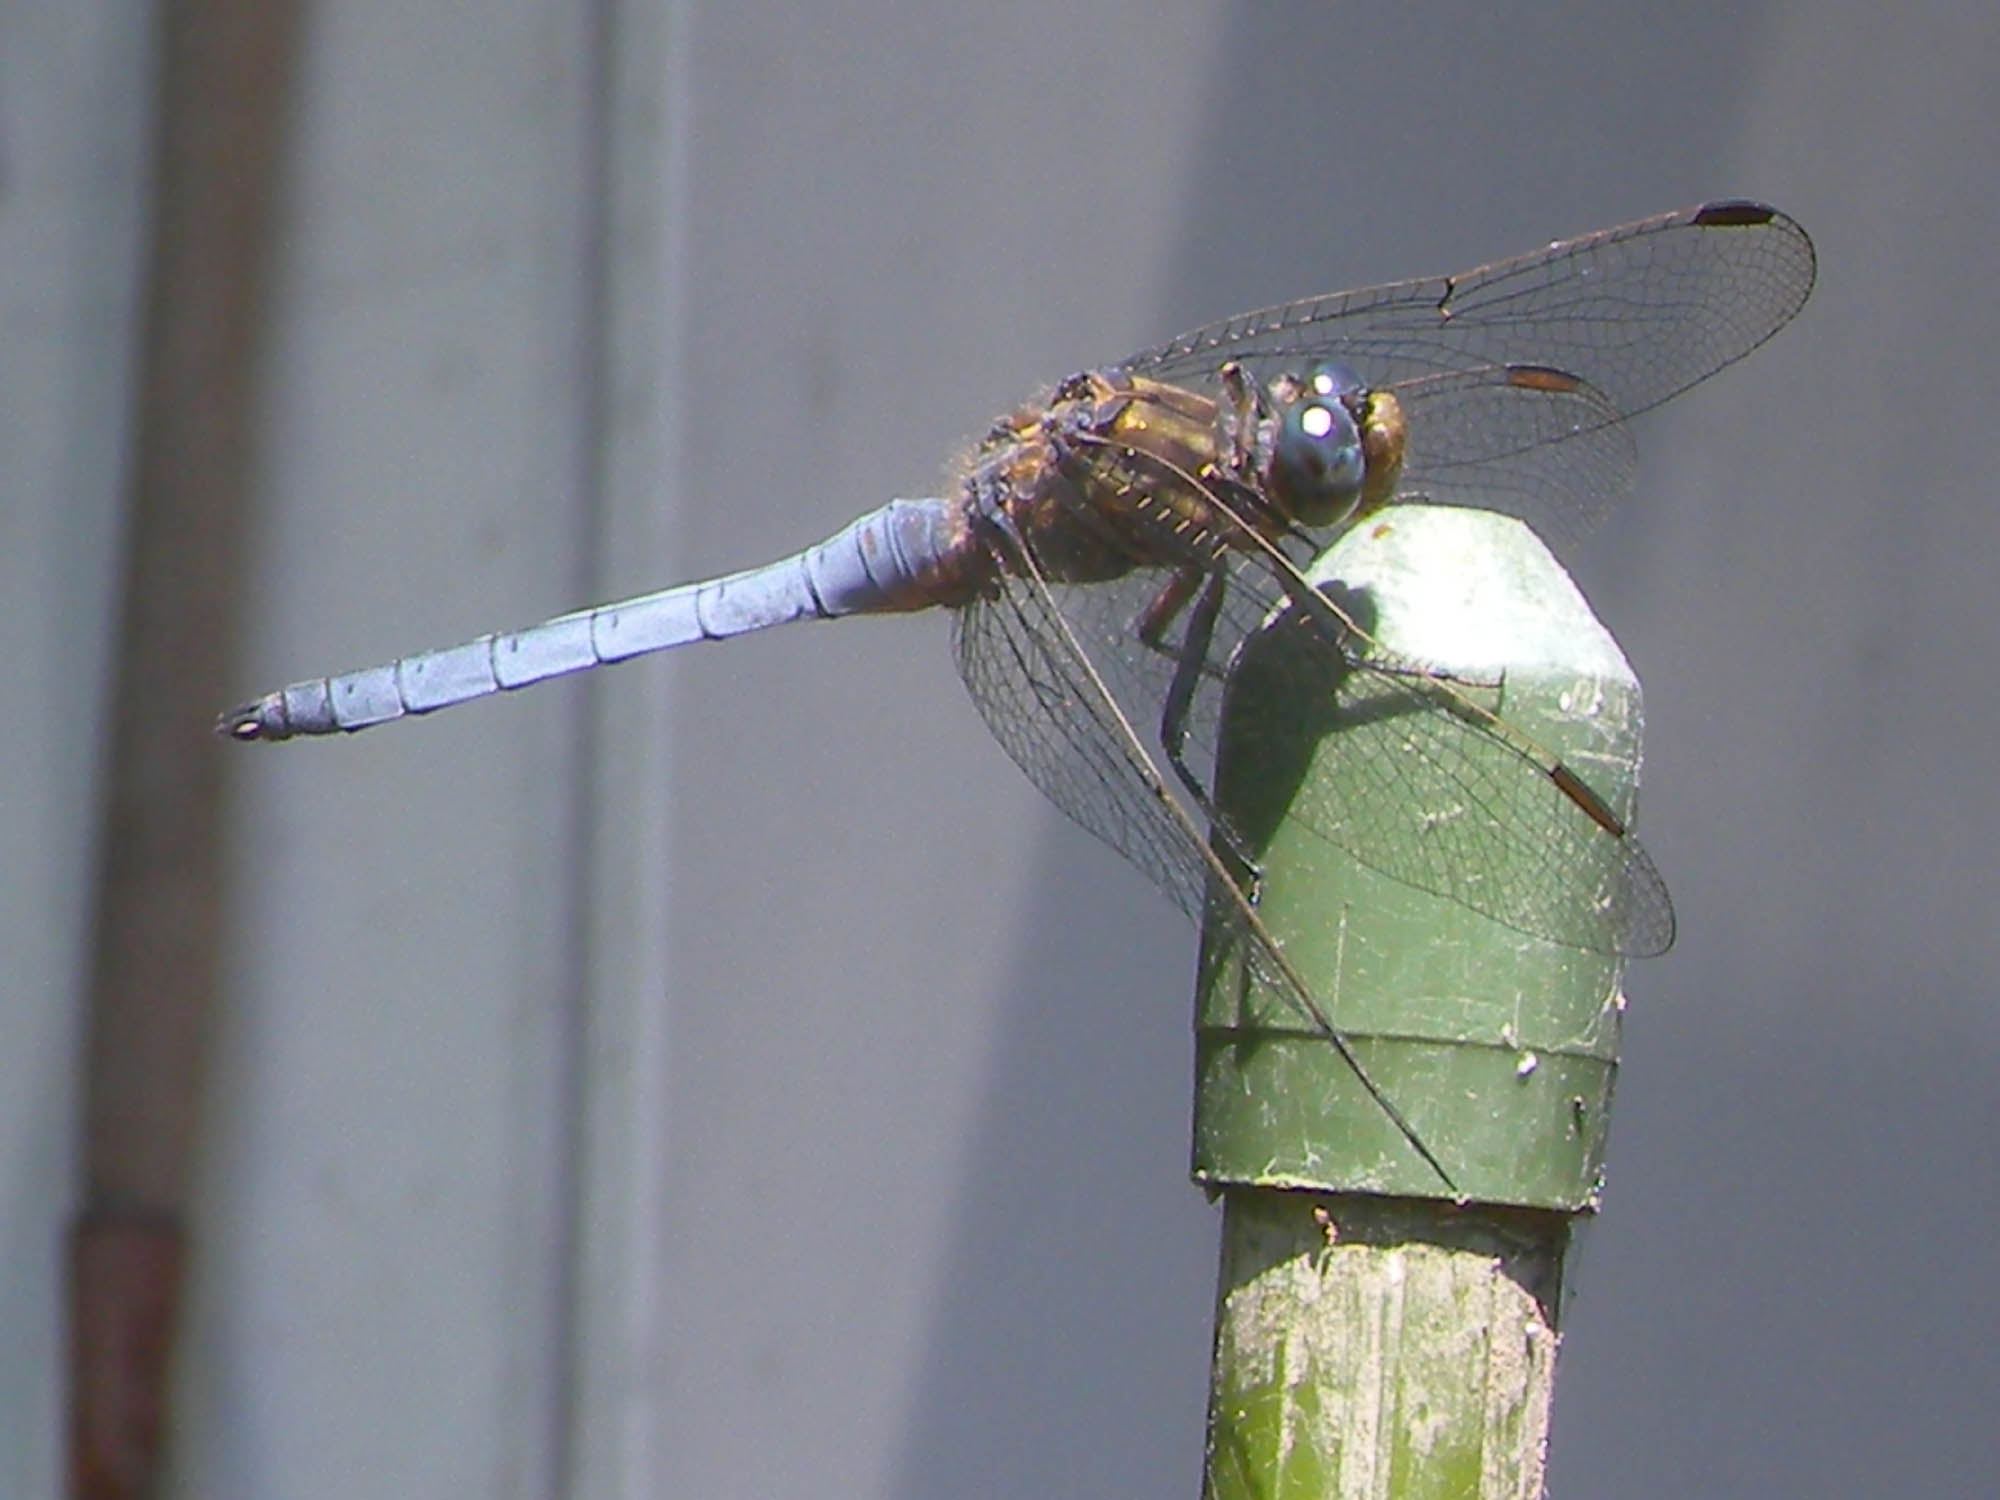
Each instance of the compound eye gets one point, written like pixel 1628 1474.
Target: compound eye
pixel 1317 465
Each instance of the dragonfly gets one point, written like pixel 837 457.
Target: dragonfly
pixel 1108 547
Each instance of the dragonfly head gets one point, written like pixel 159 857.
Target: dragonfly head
pixel 1334 446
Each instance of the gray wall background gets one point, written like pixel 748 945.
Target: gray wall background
pixel 727 1078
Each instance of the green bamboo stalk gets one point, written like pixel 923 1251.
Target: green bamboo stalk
pixel 1380 1333
pixel 1382 1347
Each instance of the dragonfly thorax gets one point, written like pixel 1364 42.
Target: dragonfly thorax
pixel 1114 474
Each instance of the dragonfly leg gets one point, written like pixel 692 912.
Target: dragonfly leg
pixel 1173 597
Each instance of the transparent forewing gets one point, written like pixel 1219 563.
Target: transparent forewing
pixel 1427 791
pixel 1524 440
pixel 1432 792
pixel 1641 312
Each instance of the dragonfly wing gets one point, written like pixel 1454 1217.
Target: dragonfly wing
pixel 1528 441
pixel 1055 716
pixel 1433 791
pixel 1058 721
pixel 1641 311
